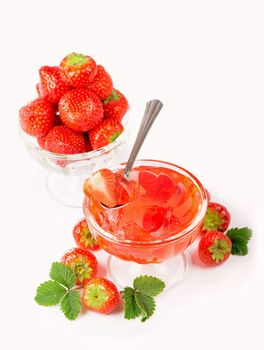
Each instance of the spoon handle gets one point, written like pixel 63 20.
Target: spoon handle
pixel 152 110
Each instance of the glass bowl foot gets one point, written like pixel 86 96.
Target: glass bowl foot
pixel 65 189
pixel 171 271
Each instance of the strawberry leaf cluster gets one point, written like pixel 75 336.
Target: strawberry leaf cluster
pixel 239 238
pixel 59 291
pixel 139 300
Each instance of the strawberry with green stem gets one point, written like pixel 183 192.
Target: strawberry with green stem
pixel 215 247
pixel 100 295
pixel 115 105
pixel 77 70
pixel 106 132
pixel 217 218
pixel 82 262
pixel 83 237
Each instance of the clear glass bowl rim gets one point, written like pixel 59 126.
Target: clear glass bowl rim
pixel 167 240
pixel 78 156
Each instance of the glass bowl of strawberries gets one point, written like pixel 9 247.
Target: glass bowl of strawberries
pixel 145 222
pixel 78 124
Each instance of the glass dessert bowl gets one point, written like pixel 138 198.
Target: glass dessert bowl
pixel 150 233
pixel 67 172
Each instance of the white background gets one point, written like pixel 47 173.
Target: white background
pixel 205 61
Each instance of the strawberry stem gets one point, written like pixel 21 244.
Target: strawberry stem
pixel 212 220
pixel 76 59
pixel 113 97
pixel 219 249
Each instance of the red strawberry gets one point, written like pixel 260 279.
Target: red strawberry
pixel 106 132
pixel 101 187
pixel 83 237
pixel 102 84
pixel 51 85
pixel 115 106
pixel 82 262
pixel 78 70
pixel 63 140
pixel 37 117
pixel 217 218
pixel 100 295
pixel 214 248
pixel 80 110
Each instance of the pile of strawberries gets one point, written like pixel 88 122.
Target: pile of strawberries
pixel 217 242
pixel 84 264
pixel 98 293
pixel 78 109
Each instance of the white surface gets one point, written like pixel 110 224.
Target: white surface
pixel 204 60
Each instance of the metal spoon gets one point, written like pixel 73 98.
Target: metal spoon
pixel 152 110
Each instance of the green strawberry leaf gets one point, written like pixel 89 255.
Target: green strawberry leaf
pixel 62 274
pixel 239 238
pixel 50 293
pixel 71 304
pixel 146 304
pixel 149 285
pixel 131 309
pixel 139 301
